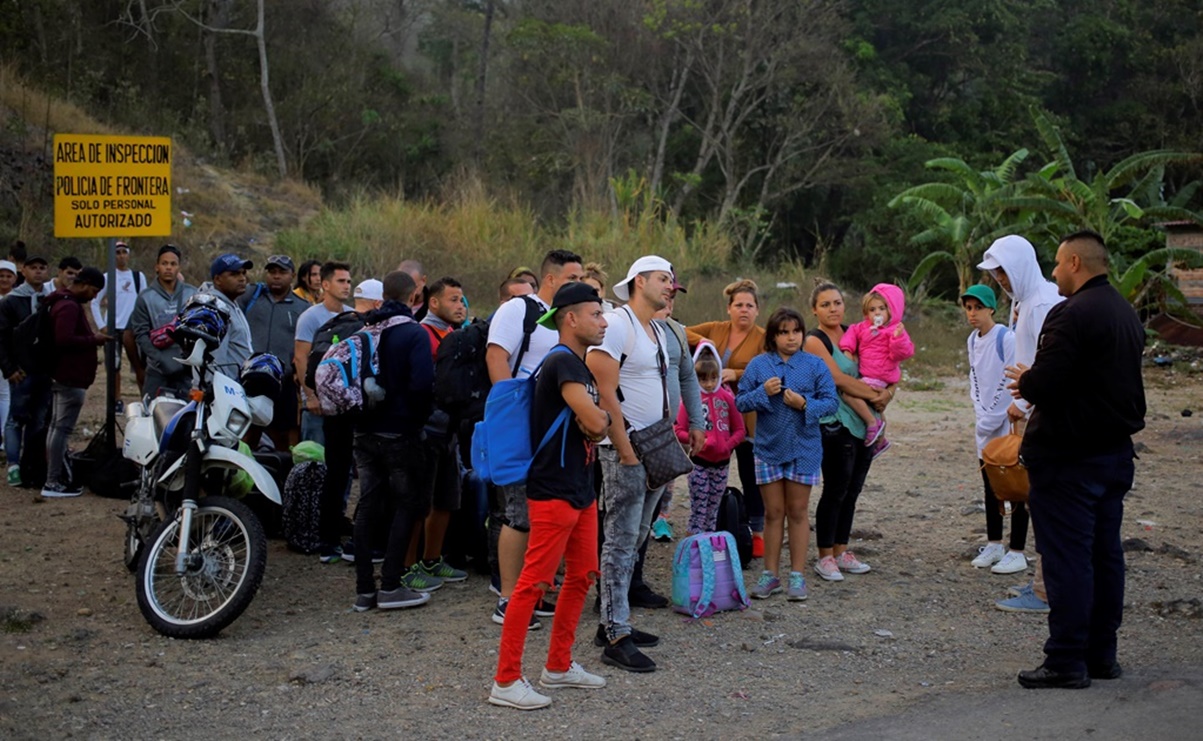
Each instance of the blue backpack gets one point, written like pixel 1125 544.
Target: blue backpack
pixel 707 576
pixel 501 442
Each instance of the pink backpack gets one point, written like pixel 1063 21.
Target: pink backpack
pixel 707 577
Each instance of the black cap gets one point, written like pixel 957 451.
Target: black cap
pixel 36 258
pixel 90 276
pixel 569 294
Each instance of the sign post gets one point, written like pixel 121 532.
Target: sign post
pixel 112 186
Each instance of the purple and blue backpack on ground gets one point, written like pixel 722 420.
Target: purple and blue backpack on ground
pixel 707 577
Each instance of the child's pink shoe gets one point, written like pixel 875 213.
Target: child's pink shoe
pixel 874 431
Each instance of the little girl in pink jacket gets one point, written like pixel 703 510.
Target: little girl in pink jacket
pixel 724 431
pixel 879 344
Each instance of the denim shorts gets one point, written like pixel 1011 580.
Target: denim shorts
pixel 767 473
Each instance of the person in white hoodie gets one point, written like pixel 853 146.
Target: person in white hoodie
pixel 1011 260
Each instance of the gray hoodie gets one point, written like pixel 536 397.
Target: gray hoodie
pixel 1032 294
pixel 154 308
pixel 235 348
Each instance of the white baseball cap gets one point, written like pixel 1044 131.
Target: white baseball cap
pixel 8 265
pixel 645 264
pixel 371 289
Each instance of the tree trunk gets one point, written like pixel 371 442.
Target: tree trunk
pixel 264 86
pixel 217 20
pixel 478 125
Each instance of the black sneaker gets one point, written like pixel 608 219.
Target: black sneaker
pixel 364 602
pixel 625 656
pixel 499 615
pixel 330 554
pixel 61 491
pixel 349 553
pixel 545 608
pixel 638 637
pixel 641 595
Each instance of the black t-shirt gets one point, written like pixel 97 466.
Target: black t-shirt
pixel 548 479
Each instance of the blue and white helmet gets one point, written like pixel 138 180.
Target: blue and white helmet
pixel 262 375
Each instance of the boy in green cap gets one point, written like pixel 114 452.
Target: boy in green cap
pixel 992 349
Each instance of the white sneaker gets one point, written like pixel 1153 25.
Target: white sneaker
pixel 518 695
pixel 988 555
pixel 1011 563
pixel 827 568
pixel 576 676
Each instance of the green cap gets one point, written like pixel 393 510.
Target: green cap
pixel 982 293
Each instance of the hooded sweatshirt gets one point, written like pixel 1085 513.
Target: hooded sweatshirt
pixel 879 353
pixel 235 347
pixel 724 424
pixel 1031 293
pixel 75 343
pixel 154 308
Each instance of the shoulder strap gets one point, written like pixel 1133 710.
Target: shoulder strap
pixel 706 557
pixel 529 323
pixel 824 339
pixel 137 281
pixel 254 297
pixel 998 343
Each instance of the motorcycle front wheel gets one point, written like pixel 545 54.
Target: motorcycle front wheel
pixel 227 555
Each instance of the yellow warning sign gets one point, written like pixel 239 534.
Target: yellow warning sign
pixel 112 186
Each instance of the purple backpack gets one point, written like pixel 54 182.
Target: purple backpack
pixel 707 577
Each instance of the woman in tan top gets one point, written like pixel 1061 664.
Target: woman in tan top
pixel 738 341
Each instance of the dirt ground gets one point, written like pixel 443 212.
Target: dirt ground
pixel 77 659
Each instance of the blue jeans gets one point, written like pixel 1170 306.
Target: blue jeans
pixel 390 476
pixel 68 400
pixel 25 430
pixel 1077 507
pixel 630 507
pixel 312 428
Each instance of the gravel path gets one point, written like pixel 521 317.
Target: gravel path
pixel 76 658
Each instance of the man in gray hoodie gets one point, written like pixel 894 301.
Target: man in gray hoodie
pixel 228 282
pixel 156 306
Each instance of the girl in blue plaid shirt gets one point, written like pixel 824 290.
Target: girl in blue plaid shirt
pixel 789 390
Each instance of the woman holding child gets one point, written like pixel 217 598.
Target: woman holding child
pixel 846 459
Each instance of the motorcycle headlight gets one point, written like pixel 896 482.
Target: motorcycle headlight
pixel 238 422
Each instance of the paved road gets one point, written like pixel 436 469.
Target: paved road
pixel 1163 703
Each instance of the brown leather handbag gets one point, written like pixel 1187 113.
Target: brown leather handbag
pixel 1007 474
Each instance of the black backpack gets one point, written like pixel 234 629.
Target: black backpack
pixel 300 516
pixel 33 341
pixel 733 517
pixel 461 376
pixel 338 327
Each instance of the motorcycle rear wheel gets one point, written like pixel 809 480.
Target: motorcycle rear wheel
pixel 228 555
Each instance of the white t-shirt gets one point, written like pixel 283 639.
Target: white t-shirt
pixel 127 294
pixel 988 356
pixel 505 331
pixel 640 379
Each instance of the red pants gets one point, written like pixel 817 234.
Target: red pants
pixel 556 530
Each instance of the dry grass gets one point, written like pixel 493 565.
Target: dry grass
pixel 226 207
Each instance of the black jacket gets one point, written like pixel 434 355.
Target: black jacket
pixel 1085 382
pixel 14 308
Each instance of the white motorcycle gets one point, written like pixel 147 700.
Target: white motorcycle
pixel 199 556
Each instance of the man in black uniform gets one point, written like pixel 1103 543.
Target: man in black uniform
pixel 1086 386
